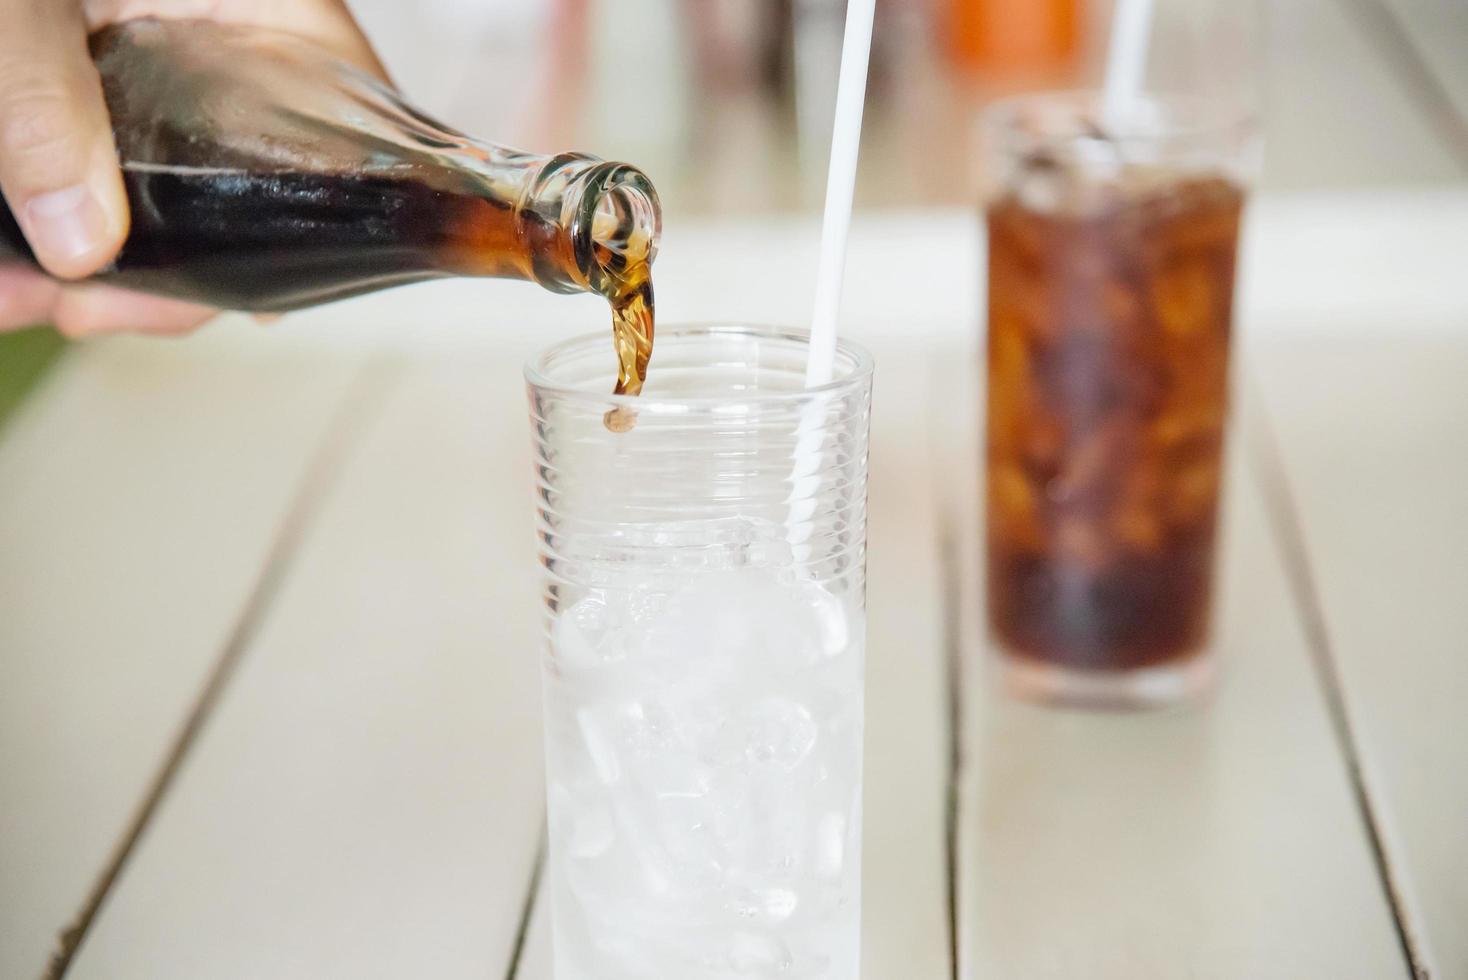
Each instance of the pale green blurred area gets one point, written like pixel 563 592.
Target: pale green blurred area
pixel 24 357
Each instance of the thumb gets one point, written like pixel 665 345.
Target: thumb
pixel 58 164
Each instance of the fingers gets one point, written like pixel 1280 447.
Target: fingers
pixel 89 309
pixel 58 164
pixel 26 297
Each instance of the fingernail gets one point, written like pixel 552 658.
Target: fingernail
pixel 65 224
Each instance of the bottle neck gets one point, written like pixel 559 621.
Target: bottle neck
pixel 588 225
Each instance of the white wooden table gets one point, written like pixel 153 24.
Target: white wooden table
pixel 268 654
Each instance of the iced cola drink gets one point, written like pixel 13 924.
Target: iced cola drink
pixel 1111 280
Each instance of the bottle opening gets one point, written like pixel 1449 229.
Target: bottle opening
pixel 625 223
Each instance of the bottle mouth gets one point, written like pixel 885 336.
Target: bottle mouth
pixel 615 232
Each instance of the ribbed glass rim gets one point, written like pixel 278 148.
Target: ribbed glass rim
pixel 1206 119
pixel 854 365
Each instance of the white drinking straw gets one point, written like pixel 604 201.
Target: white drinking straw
pixel 1126 60
pixel 851 90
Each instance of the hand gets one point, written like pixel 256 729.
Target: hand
pixel 58 164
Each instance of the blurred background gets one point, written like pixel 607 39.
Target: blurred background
pixel 726 103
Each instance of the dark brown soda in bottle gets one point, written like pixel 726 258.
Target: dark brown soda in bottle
pixel 263 174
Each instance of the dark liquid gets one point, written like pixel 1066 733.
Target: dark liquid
pixel 281 241
pixel 1108 386
pixel 629 290
pixel 271 242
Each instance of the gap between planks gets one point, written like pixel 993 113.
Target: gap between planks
pixel 949 529
pixel 1282 513
pixel 527 910
pixel 950 571
pixel 360 405
pixel 1384 30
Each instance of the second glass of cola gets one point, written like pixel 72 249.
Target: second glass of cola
pixel 1111 278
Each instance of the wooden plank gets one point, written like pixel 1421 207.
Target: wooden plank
pixel 366 800
pixel 1433 36
pixel 1372 447
pixel 1327 263
pixel 1220 841
pixel 905 874
pixel 1336 112
pixel 140 491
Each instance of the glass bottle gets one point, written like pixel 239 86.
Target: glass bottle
pixel 265 174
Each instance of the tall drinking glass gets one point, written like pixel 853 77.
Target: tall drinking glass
pixel 1111 278
pixel 704 597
